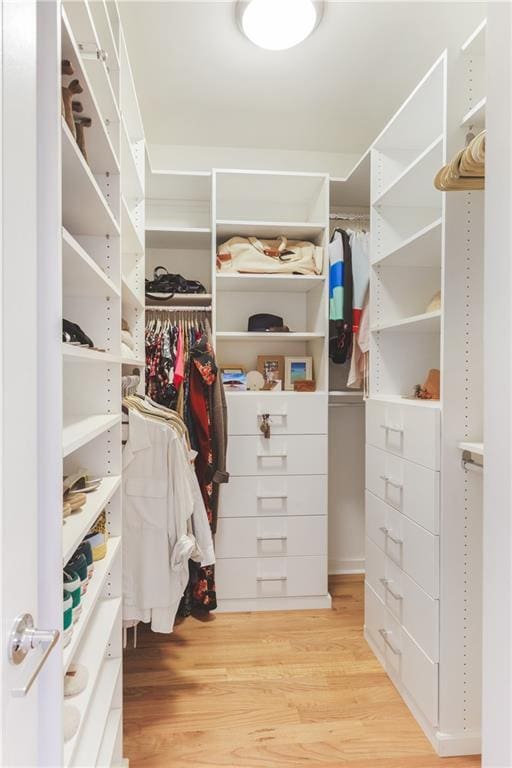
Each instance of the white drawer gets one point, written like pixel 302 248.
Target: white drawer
pixel 292 413
pixel 402 657
pixel 285 455
pixel 276 496
pixel 410 546
pixel 409 431
pixel 416 611
pixel 271 577
pixel 271 537
pixel 412 489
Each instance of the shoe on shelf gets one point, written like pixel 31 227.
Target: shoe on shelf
pixel 66 509
pixel 75 680
pixel 98 537
pixel 78 564
pixel 72 333
pixel 85 548
pixel 71 721
pixel 73 585
pixel 80 482
pixel 67 631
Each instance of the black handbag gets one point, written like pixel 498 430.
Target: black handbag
pixel 169 284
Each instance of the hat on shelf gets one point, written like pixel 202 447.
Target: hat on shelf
pixel 267 324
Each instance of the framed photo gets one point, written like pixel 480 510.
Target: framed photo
pixel 271 368
pixel 234 378
pixel 297 369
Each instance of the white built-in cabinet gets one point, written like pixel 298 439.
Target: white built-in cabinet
pixel 423 509
pixel 102 281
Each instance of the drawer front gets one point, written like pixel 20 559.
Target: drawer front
pixel 271 537
pixel 271 577
pixel 277 496
pixel 290 414
pixel 416 611
pixel 420 676
pixel 292 455
pixel 414 549
pixel 410 431
pixel 410 488
pixel 384 630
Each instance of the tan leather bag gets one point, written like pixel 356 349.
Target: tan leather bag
pixel 242 254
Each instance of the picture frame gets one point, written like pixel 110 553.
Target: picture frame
pixel 234 378
pixel 297 369
pixel 271 368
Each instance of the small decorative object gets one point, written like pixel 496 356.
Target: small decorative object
pixel 273 386
pixel 308 385
pixel 234 379
pixel 255 381
pixel 297 369
pixel 431 389
pixel 271 368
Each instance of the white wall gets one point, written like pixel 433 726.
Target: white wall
pixel 195 158
pixel 346 487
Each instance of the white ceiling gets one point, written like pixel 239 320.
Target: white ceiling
pixel 200 82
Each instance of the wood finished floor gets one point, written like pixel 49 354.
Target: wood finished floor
pixel 270 690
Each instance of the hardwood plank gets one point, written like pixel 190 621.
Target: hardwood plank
pixel 270 690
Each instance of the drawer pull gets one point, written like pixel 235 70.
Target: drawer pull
pixel 386 584
pixel 388 535
pixel 400 430
pixel 389 481
pixel 272 455
pixel 273 496
pixel 271 538
pixel 384 633
pixel 268 414
pixel 272 578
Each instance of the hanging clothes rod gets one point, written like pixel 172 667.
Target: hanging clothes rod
pixel 349 216
pixel 179 309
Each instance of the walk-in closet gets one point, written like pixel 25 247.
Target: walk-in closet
pixel 255 397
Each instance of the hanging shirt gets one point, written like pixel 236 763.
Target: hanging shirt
pixel 360 247
pixel 164 523
pixel 336 277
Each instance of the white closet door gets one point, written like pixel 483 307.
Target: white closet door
pixel 20 477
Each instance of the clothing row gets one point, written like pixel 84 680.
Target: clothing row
pixel 165 523
pixel 182 374
pixel 349 278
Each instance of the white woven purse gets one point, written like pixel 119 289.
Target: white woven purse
pixel 242 254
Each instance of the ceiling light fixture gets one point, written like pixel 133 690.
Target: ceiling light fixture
pixel 278 24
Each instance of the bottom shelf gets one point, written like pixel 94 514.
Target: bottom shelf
pixel 91 740
pixel 405 400
pixel 111 735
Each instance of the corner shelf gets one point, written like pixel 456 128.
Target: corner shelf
pixel 428 322
pixel 179 238
pixel 476 115
pixel 84 208
pixel 130 297
pixel 82 431
pixel 423 249
pixel 419 174
pixel 77 525
pixel 81 275
pixel 267 283
pixel 130 240
pixel 409 401
pixel 131 182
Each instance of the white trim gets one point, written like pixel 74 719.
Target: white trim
pixel 242 605
pixel 346 566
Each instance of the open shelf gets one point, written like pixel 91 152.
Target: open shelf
pixel 428 322
pixel 90 599
pixel 81 276
pixel 477 449
pixel 269 229
pixel 131 182
pixel 91 654
pixel 403 400
pixel 84 208
pixel 101 154
pixel 265 283
pixel 84 31
pixel 74 354
pixel 130 240
pixel 476 115
pixel 414 186
pixel 92 732
pixel 130 297
pixel 109 740
pixel 179 238
pixel 180 299
pixel 82 431
pixel 267 337
pixel 423 249
pixel 77 525
pixel 354 189
pixel 475 44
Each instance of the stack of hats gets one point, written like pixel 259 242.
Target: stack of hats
pixel 78 573
pixel 467 169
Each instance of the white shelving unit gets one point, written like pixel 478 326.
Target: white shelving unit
pixel 102 280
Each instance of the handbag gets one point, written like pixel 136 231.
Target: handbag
pixel 248 254
pixel 164 282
